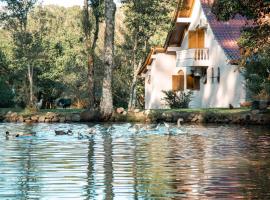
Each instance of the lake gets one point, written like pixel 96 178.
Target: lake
pixel 127 161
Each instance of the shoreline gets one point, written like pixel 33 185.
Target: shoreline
pixel 211 116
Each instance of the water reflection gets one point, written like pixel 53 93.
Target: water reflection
pixel 214 162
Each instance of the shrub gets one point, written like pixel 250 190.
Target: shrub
pixel 177 99
pixel 6 95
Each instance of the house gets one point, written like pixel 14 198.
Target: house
pixel 201 55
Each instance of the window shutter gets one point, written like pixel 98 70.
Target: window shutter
pixel 174 82
pixel 190 82
pixel 196 39
pixel 181 82
pixel 178 82
pixel 200 38
pixel 192 39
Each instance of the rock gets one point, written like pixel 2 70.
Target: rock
pixel 35 118
pixel 68 118
pixel 263 105
pixel 90 115
pixel 41 119
pixel 62 119
pixel 50 115
pixel 28 121
pixel 14 115
pixel 1 118
pixel 75 118
pixel 55 119
pixel 255 112
pixel 136 111
pixel 120 110
pixel 124 113
pixel 47 121
pixel 147 112
pixel 20 119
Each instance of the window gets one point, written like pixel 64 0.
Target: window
pixel 149 79
pixel 178 81
pixel 218 75
pixel 196 39
pixel 193 82
pixel 213 75
pixel 204 75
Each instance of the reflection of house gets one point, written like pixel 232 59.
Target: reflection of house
pixel 200 54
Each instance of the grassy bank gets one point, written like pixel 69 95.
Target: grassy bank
pixel 26 112
pixel 207 110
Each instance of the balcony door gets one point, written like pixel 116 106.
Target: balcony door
pixel 196 39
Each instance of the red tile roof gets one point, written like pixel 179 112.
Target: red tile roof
pixel 226 33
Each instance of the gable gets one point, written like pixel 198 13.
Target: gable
pixel 226 33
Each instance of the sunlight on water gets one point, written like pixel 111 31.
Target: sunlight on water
pixel 124 161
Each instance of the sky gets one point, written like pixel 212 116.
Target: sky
pixel 66 3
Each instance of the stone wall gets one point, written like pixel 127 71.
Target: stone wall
pixel 254 117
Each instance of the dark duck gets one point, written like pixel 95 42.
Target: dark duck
pixel 60 132
pixel 29 134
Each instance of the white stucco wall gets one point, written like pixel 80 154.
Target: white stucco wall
pixel 230 90
pixel 161 80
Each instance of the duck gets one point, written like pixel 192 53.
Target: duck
pixel 135 128
pixel 61 132
pixel 81 136
pixel 91 130
pixel 179 129
pixel 20 134
pixel 179 121
pixel 152 127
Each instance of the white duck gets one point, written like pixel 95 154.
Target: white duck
pixel 179 129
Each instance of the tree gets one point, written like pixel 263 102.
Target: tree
pixel 254 41
pixel 106 104
pixel 91 42
pixel 144 26
pixel 26 44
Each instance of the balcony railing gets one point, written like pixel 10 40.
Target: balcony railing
pixel 193 57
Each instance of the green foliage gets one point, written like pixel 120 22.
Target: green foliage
pixel 177 99
pixel 257 72
pixel 227 9
pixel 144 25
pixel 50 39
pixel 6 94
pixel 254 41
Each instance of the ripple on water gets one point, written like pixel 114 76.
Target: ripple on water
pixel 123 162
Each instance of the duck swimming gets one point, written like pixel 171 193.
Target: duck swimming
pixel 60 132
pixel 176 130
pixel 83 136
pixel 30 134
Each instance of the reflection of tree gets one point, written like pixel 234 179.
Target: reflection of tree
pixel 134 166
pixel 152 174
pixel 27 169
pixel 90 189
pixel 108 166
pixel 257 182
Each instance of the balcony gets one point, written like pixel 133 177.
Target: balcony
pixel 192 57
pixel 184 20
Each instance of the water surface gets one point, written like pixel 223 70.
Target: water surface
pixel 118 162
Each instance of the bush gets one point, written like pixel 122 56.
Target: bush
pixel 6 95
pixel 177 99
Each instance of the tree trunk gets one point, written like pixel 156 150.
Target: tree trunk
pixel 133 91
pixel 132 94
pixel 30 79
pixel 90 66
pixel 106 104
